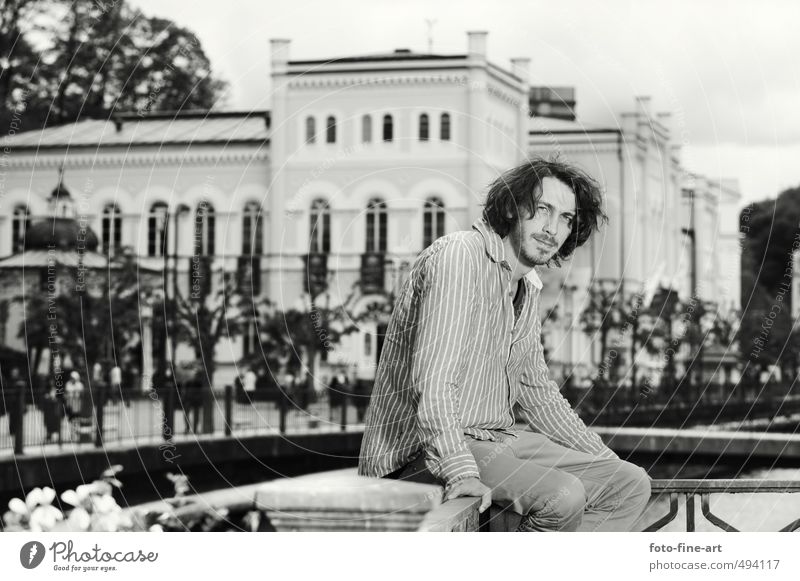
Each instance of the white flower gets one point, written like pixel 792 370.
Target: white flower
pixel 18 507
pixel 79 519
pixel 44 518
pixel 105 504
pixel 71 497
pixel 107 522
pixel 40 497
pixel 36 511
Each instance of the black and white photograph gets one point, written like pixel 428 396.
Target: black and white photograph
pixel 371 267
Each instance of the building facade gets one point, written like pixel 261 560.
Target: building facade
pixel 360 164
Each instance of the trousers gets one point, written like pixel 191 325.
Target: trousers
pixel 553 488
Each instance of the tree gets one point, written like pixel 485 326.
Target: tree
pixel 203 320
pixel 603 315
pixel 18 60
pixel 302 335
pixel 770 236
pixel 95 326
pixel 95 58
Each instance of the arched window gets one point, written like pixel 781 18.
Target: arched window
pixel 111 230
pixel 311 130
pixel 320 237
pixel 252 230
pixel 424 127
pixel 388 128
pixel 444 128
pixel 19 225
pixel 330 130
pixel 366 129
pixel 252 249
pixel 204 229
pixel 432 221
pixel 157 230
pixel 376 226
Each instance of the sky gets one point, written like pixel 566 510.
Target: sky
pixel 727 71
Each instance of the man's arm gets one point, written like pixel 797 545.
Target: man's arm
pixel 547 411
pixel 443 341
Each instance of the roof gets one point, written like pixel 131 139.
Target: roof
pixel 552 125
pixel 400 54
pixel 184 128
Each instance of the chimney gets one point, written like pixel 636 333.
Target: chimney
pixel 279 51
pixel 476 46
pixel 520 67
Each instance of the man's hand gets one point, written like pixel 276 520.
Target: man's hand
pixel 470 487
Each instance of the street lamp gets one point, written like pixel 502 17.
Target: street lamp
pixel 181 209
pixel 146 312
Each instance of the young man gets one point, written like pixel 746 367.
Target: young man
pixel 463 346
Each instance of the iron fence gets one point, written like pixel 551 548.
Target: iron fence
pixel 99 417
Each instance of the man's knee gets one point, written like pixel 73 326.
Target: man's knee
pixel 634 481
pixel 561 507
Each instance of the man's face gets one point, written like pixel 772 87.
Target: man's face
pixel 535 240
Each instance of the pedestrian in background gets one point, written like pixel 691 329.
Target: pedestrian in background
pixel 19 388
pixel 115 381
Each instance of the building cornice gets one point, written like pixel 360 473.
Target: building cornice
pixel 503 95
pixel 575 147
pixel 94 157
pixel 315 81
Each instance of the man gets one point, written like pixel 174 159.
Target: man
pixel 464 345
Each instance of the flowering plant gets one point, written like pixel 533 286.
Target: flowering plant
pixel 35 513
pixel 93 508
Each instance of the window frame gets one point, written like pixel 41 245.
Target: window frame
pixel 376 227
pixel 445 127
pixel 387 128
pixel 319 240
pixel 433 220
pixel 330 129
pixel 153 235
pixel 424 132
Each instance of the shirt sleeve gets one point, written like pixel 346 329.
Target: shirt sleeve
pixel 442 343
pixel 548 412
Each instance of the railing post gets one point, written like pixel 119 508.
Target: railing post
pixel 99 404
pixel 282 411
pixel 228 410
pixel 62 413
pixel 18 420
pixel 343 419
pixel 169 413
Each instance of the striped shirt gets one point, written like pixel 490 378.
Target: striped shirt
pixel 455 362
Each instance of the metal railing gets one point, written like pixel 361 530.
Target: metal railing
pixel 683 404
pixel 98 417
pixel 690 490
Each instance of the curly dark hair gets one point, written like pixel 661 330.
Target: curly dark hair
pixel 518 190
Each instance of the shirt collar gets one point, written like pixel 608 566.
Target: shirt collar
pixel 493 245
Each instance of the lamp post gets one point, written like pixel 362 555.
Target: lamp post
pixel 146 313
pixel 181 209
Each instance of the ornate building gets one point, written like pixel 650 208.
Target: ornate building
pixel 359 165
